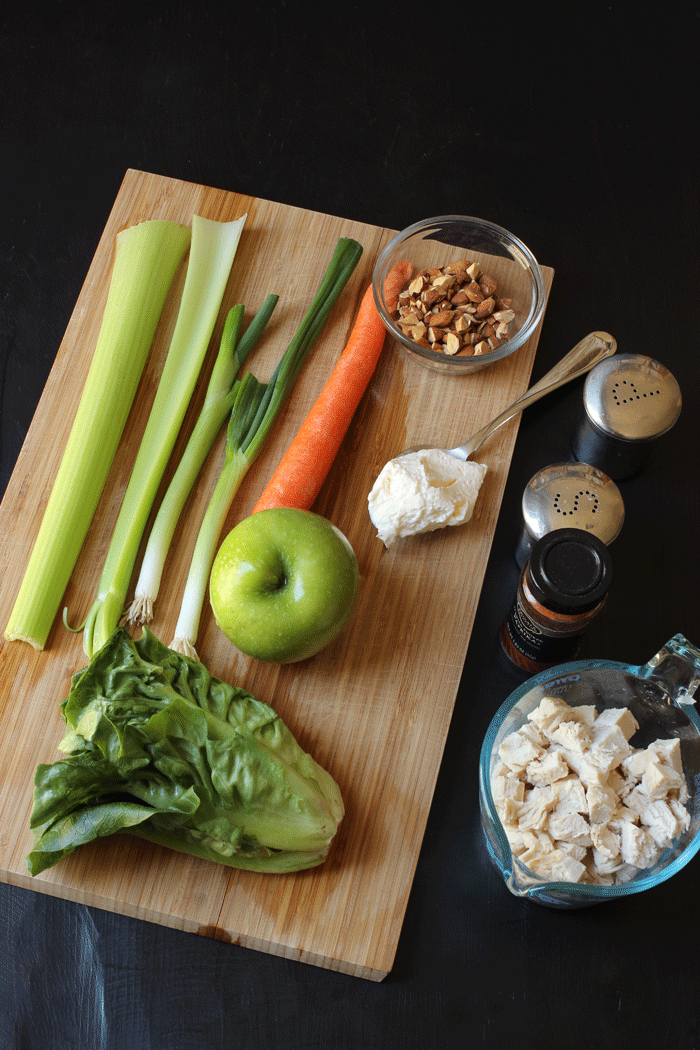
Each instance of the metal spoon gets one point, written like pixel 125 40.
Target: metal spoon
pixel 594 348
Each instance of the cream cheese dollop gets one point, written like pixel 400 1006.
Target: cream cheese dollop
pixel 423 491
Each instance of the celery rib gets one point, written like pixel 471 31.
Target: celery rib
pixel 254 412
pixel 212 251
pixel 146 259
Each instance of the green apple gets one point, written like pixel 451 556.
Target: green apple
pixel 283 584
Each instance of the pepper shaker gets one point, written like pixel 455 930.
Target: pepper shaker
pixel 628 402
pixel 569 495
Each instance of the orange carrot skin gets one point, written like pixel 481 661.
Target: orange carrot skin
pixel 306 463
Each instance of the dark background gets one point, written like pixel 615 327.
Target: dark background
pixel 575 126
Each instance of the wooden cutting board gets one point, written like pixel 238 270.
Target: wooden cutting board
pixel 373 708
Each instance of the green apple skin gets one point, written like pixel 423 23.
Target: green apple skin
pixel 283 584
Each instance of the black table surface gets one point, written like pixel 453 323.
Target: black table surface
pixel 579 132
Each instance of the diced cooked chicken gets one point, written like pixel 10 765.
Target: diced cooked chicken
pixel 660 780
pixel 572 736
pixel 552 766
pixel 570 827
pixel 663 824
pixel 621 717
pixel 517 749
pixel 570 795
pixel 602 803
pixel 582 764
pixel 549 713
pixel 606 842
pixel 638 847
pixel 609 747
pixel 557 866
pixel 579 803
pixel 573 850
pixel 534 811
pixel 669 752
pixel 507 786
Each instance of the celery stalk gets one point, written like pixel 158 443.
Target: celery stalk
pixel 218 403
pixel 146 259
pixel 212 252
pixel 255 409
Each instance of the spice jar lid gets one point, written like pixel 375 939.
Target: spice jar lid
pixel 570 570
pixel 631 397
pixel 575 496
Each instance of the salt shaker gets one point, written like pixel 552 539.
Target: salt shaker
pixel 573 496
pixel 628 402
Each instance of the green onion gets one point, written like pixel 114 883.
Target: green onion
pixel 146 259
pixel 254 411
pixel 217 406
pixel 212 252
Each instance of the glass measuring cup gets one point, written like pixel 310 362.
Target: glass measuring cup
pixel 660 696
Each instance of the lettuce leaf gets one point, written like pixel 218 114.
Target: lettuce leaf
pixel 160 748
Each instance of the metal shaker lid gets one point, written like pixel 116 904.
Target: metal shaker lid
pixel 631 397
pixel 572 496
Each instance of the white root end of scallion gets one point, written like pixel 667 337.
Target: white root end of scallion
pixel 140 611
pixel 185 647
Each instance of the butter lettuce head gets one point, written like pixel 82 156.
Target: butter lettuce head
pixel 158 747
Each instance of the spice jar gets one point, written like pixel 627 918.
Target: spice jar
pixel 562 588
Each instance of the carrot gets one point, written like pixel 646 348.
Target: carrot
pixel 305 465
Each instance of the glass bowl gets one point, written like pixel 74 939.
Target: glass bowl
pixel 442 240
pixel 659 695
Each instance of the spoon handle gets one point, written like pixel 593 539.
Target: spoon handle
pixel 592 349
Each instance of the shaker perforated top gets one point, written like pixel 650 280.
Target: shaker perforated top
pixel 632 397
pixel 572 495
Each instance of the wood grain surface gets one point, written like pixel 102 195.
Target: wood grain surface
pixel 374 707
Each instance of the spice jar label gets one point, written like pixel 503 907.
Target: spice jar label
pixel 533 647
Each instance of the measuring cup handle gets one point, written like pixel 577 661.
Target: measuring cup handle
pixel 677 667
